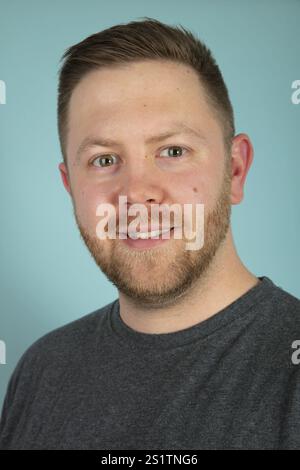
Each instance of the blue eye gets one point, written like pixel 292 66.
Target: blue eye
pixel 105 160
pixel 176 153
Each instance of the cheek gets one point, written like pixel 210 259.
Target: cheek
pixel 193 188
pixel 87 200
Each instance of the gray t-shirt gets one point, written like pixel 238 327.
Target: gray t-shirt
pixel 229 382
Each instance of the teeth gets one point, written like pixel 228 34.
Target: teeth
pixel 145 235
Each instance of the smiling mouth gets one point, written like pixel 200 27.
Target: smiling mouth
pixel 154 234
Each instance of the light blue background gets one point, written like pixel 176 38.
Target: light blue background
pixel 48 277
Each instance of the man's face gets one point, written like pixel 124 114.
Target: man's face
pixel 129 104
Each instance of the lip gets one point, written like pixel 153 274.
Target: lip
pixel 151 234
pixel 147 229
pixel 141 243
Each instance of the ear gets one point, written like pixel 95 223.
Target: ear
pixel 241 159
pixel 65 176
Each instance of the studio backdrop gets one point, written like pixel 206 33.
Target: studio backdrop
pixel 48 277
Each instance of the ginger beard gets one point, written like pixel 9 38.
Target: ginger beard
pixel 157 277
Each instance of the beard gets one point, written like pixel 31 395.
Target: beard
pixel 158 277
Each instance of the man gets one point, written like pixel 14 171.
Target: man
pixel 197 352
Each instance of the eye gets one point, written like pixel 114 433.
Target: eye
pixel 104 161
pixel 176 151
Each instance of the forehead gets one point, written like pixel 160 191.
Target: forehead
pixel 138 99
pixel 146 83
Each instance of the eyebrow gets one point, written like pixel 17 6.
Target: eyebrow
pixel 179 128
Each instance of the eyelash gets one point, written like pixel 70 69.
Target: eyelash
pixel 165 148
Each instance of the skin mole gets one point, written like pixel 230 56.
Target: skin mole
pixel 195 190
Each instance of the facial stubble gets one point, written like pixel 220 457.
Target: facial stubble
pixel 160 276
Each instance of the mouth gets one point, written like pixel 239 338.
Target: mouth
pixel 151 239
pixel 145 235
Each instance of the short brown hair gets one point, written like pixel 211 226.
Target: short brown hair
pixel 136 41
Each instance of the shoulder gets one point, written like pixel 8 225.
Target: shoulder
pixel 284 307
pixel 278 305
pixel 67 338
pixel 276 329
pixel 56 350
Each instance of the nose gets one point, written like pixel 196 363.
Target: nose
pixel 143 182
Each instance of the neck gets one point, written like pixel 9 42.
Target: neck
pixel 226 280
